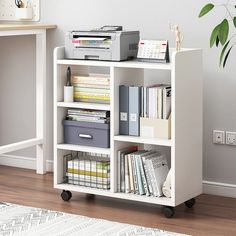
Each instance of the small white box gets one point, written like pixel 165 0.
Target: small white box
pixel 24 13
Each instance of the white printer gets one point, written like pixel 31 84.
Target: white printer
pixel 109 43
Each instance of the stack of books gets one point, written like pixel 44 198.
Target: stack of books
pixel 89 171
pixel 147 102
pixel 141 172
pixel 94 88
pixel 97 116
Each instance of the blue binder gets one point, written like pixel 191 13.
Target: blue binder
pixel 134 110
pixel 124 110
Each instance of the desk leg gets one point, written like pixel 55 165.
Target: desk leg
pixel 41 150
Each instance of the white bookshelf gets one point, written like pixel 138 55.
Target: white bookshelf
pixel 185 146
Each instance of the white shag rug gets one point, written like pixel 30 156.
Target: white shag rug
pixel 28 221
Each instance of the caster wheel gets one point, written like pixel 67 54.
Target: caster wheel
pixel 168 211
pixel 90 196
pixel 66 195
pixel 190 203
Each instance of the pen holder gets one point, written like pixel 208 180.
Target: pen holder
pixel 24 13
pixel 68 94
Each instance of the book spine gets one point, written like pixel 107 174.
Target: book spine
pixel 122 172
pixel 91 90
pixel 136 191
pixel 119 172
pixel 147 172
pixel 143 176
pixel 139 178
pixel 153 179
pixel 127 183
pixel 131 178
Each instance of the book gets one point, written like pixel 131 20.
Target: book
pixel 131 177
pixel 127 180
pixel 121 166
pixel 91 100
pixel 91 90
pixel 158 171
pixel 91 96
pixel 92 86
pixel 140 184
pixel 166 102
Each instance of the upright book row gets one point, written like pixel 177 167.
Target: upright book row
pixel 141 172
pixel 148 102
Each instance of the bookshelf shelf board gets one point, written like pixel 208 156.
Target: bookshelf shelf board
pixel 85 105
pixel 108 193
pixel 80 148
pixel 124 64
pixel 152 141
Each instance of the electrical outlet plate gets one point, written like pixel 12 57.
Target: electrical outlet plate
pixel 230 138
pixel 8 8
pixel 218 136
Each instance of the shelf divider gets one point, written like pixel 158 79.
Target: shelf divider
pixel 152 141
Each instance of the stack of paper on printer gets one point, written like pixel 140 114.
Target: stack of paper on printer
pixel 141 172
pixel 94 88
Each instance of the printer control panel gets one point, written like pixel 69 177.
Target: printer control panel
pixel 110 28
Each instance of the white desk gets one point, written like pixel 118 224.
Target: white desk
pixel 40 141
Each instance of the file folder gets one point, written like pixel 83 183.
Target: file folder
pixel 134 110
pixel 124 110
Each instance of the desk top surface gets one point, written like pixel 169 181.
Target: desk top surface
pixel 35 26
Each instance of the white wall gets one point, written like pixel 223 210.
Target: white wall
pixel 151 18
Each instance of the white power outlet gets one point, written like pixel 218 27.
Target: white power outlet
pixel 230 138
pixel 218 136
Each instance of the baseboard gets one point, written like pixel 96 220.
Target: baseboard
pixel 219 189
pixel 214 188
pixel 23 162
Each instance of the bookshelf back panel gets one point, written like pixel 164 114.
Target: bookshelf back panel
pixel 152 77
pixel 124 76
pixel 60 130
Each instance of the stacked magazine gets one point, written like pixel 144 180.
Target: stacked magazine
pixel 94 88
pixel 86 115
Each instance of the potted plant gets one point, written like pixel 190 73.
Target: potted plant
pixel 221 36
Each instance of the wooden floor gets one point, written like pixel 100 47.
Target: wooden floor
pixel 211 215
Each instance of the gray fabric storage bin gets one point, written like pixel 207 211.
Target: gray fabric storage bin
pixel 87 133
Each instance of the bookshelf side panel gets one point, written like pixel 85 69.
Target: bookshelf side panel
pixel 187 124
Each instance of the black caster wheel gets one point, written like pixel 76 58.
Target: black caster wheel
pixel 66 195
pixel 168 211
pixel 190 203
pixel 90 196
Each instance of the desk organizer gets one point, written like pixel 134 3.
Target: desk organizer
pixel 24 13
pixel 87 133
pixel 155 128
pixel 88 171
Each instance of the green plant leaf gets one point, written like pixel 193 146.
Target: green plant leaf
pixel 223 31
pixel 223 52
pixel 217 41
pixel 226 56
pixel 234 20
pixel 214 35
pixel 206 9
